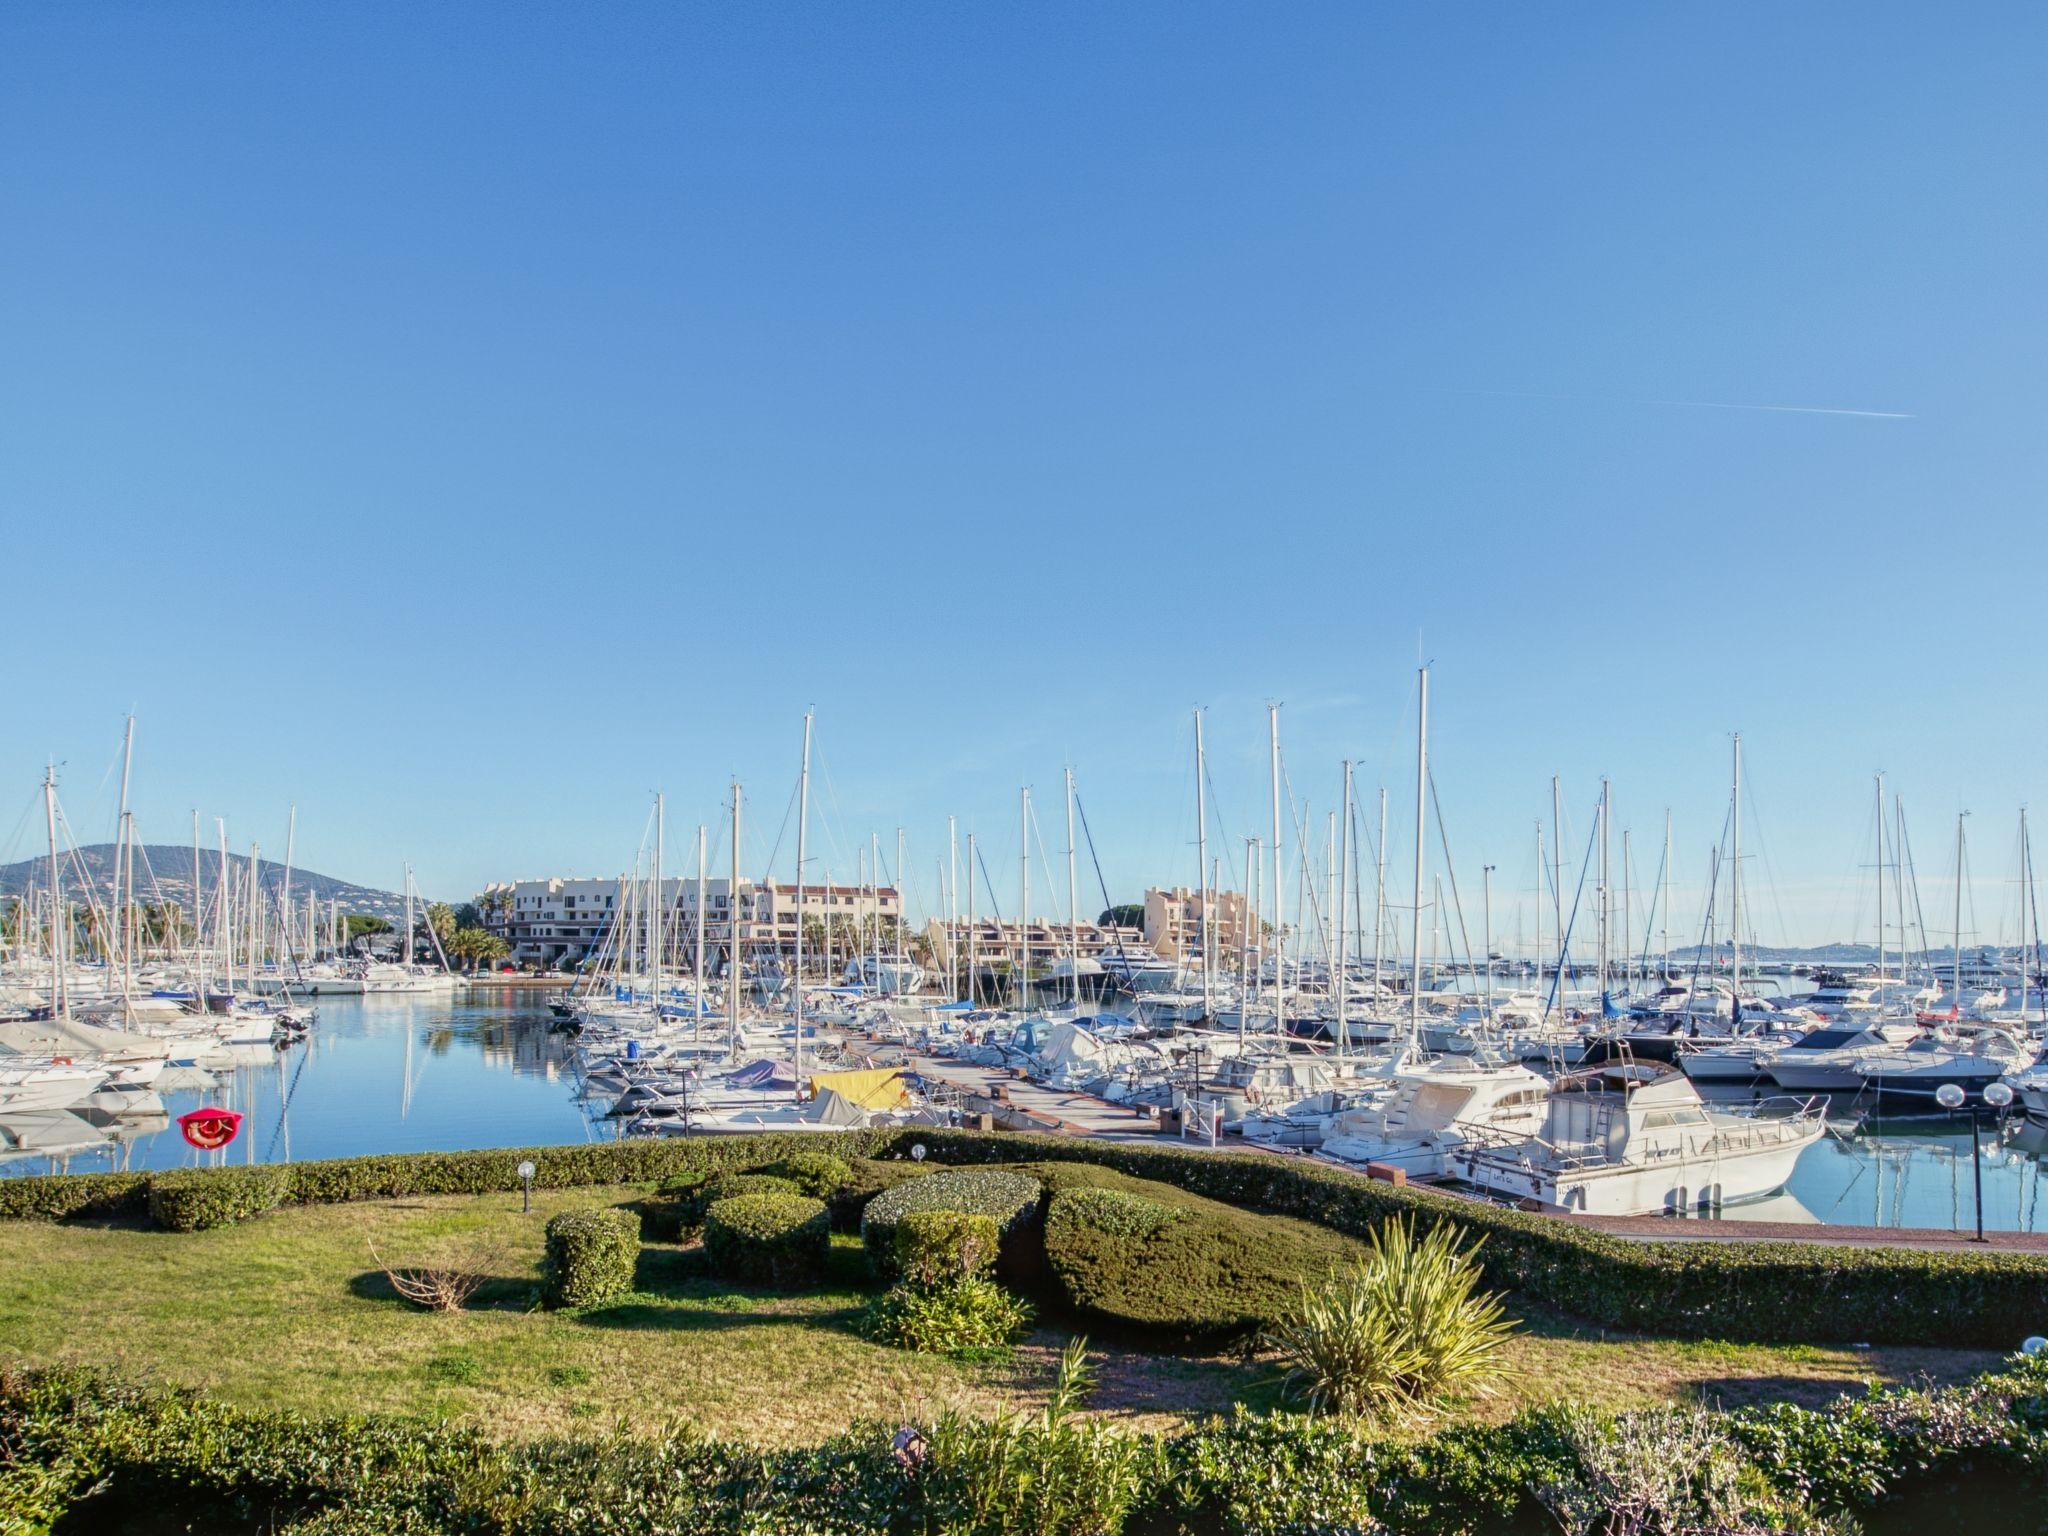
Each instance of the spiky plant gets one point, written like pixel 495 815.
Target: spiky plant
pixel 1397 1332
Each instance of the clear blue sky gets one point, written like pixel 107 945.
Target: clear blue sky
pixel 463 420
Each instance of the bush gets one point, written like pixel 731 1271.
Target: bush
pixel 1190 1271
pixel 815 1174
pixel 1397 1331
pixel 194 1199
pixel 768 1239
pixel 591 1256
pixel 675 1213
pixel 1010 1200
pixel 867 1178
pixel 933 1247
pixel 968 1317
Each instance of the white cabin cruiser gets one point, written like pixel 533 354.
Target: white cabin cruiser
pixel 1972 1059
pixel 1431 1108
pixel 1825 1060
pixel 1636 1140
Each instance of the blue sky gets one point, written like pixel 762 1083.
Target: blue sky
pixel 463 420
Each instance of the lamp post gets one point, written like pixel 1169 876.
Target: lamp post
pixel 525 1171
pixel 1950 1096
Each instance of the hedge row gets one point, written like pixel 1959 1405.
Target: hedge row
pixel 85 1451
pixel 1008 1199
pixel 1738 1291
pixel 194 1199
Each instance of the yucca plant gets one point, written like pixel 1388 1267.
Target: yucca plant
pixel 1396 1332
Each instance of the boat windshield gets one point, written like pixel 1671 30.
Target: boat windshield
pixel 1825 1039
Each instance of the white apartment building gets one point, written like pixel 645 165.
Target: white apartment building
pixel 1040 941
pixel 1174 922
pixel 565 921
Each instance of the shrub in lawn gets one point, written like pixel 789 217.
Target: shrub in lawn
pixel 933 1247
pixel 815 1174
pixel 1186 1271
pixel 590 1257
pixel 1051 1473
pixel 968 1317
pixel 194 1199
pixel 1667 1469
pixel 866 1178
pixel 675 1212
pixel 768 1239
pixel 1396 1332
pixel 1010 1200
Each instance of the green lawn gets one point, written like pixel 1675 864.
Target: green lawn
pixel 292 1311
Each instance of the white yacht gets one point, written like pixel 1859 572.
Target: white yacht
pixel 1637 1140
pixel 888 975
pixel 1825 1060
pixel 1434 1107
pixel 1972 1059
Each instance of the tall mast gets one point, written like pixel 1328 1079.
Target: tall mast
pixel 657 918
pixel 1073 896
pixel 902 880
pixel 1023 895
pixel 1486 934
pixel 1244 948
pixel 408 916
pixel 803 822
pixel 1340 975
pixel 198 917
pixel 1379 905
pixel 1540 951
pixel 1735 889
pixel 697 1017
pixel 952 910
pixel 1956 956
pixel 1880 889
pixel 1664 901
pixel 60 1002
pixel 1279 890
pixel 1628 953
pixel 1605 886
pixel 1421 805
pixel 973 929
pixel 284 895
pixel 123 893
pixel 1557 880
pixel 1202 872
pixel 732 913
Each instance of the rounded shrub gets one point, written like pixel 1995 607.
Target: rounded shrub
pixel 866 1178
pixel 967 1316
pixel 675 1212
pixel 194 1199
pixel 1181 1269
pixel 933 1247
pixel 768 1239
pixel 1009 1199
pixel 815 1174
pixel 590 1257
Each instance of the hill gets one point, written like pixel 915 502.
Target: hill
pixel 163 872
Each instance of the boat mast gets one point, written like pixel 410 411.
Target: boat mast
pixel 1279 910
pixel 803 821
pixel 1540 952
pixel 1251 918
pixel 1073 898
pixel 1023 894
pixel 1557 880
pixel 1628 951
pixel 973 931
pixel 60 1002
pixel 952 910
pixel 284 895
pixel 1486 931
pixel 124 892
pixel 732 913
pixel 902 878
pixel 1956 954
pixel 1735 892
pixel 408 917
pixel 1421 805
pixel 198 917
pixel 1880 892
pixel 1379 906
pixel 697 1016
pixel 1664 901
pixel 1339 975
pixel 1606 885
pixel 1202 871
pixel 657 920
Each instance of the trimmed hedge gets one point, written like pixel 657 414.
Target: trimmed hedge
pixel 194 1199
pixel 936 1246
pixel 768 1239
pixel 869 1178
pixel 815 1174
pixel 90 1453
pixel 1739 1291
pixel 1186 1270
pixel 1008 1199
pixel 675 1212
pixel 591 1256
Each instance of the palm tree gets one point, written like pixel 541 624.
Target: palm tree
pixel 815 939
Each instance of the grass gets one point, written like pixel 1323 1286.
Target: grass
pixel 290 1311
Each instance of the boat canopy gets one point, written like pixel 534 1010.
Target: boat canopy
pixel 867 1089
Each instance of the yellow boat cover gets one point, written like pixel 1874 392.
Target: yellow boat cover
pixel 874 1088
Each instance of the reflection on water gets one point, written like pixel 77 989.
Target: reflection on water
pixel 481 1069
pixel 399 1074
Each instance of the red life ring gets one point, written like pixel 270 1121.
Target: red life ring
pixel 60 1061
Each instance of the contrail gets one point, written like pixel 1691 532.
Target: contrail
pixel 1705 405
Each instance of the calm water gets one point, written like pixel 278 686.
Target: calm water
pixel 482 1070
